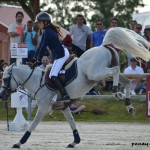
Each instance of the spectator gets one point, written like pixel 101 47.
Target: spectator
pixel 79 33
pixel 98 35
pixel 138 29
pixel 113 23
pixel 29 36
pixel 136 84
pixel 3 65
pixel 76 107
pixel 133 25
pixel 147 33
pixel 147 37
pixel 15 31
pixel 45 61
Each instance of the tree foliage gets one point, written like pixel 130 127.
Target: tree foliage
pixel 63 12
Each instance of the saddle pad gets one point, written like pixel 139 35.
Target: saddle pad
pixel 71 73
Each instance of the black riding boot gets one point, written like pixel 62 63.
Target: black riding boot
pixel 62 90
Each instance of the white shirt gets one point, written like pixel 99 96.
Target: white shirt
pixel 13 28
pixel 80 35
pixel 137 70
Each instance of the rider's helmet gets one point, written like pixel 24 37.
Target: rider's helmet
pixel 43 16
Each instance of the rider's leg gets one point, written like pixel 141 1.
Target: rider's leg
pixel 57 65
pixel 62 90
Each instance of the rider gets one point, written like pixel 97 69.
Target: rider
pixel 50 39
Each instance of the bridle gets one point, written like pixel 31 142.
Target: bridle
pixel 8 91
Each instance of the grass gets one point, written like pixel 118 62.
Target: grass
pixel 115 112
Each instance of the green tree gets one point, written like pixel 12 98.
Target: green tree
pixel 64 11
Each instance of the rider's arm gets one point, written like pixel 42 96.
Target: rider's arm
pixel 43 46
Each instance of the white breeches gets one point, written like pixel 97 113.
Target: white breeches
pixel 58 64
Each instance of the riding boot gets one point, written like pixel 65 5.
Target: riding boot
pixel 62 90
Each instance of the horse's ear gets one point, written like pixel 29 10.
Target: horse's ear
pixel 14 64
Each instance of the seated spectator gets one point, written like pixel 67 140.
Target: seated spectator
pixel 93 92
pixel 45 61
pixel 76 107
pixel 136 84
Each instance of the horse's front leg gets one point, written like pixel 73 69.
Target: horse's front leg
pixel 41 112
pixel 126 83
pixel 68 115
pixel 114 72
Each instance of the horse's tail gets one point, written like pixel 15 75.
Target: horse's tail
pixel 128 40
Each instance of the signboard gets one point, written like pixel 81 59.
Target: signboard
pixel 19 99
pixel 19 50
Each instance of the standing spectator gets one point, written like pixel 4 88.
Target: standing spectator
pixel 29 36
pixel 133 25
pixel 15 31
pixel 147 33
pixel 138 29
pixel 79 33
pixel 113 23
pixel 98 36
pixel 147 37
pixel 136 84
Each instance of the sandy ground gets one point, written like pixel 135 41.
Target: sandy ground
pixel 94 136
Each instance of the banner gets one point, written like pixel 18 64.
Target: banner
pixel 19 99
pixel 19 50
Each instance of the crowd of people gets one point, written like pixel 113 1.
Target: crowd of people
pixel 45 45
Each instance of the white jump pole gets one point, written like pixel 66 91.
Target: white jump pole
pixel 19 100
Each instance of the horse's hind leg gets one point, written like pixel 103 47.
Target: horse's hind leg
pixel 126 83
pixel 68 115
pixel 39 116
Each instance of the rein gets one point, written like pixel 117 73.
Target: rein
pixel 8 91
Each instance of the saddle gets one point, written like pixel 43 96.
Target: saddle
pixel 50 84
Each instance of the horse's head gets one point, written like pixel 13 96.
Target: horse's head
pixel 7 86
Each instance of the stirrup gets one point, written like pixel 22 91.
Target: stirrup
pixel 64 98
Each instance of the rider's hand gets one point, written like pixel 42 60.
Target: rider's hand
pixel 33 63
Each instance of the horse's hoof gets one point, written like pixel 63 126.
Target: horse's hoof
pixel 132 111
pixel 118 95
pixel 70 146
pixel 16 146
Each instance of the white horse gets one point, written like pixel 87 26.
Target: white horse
pixel 94 65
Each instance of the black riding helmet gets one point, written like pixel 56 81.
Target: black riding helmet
pixel 43 16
